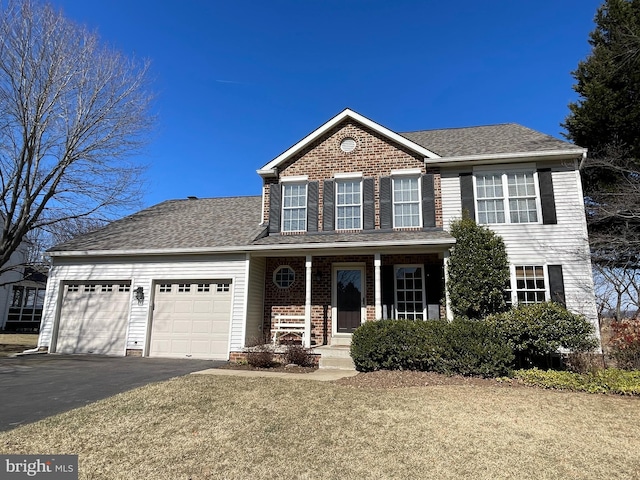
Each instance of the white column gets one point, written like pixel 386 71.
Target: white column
pixel 307 302
pixel 377 264
pixel 446 289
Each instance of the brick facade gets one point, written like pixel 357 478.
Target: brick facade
pixel 375 156
pixel 291 300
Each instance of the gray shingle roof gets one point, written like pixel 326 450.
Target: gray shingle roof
pixel 178 224
pixel 487 140
pixel 427 236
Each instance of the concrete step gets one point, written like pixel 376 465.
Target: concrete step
pixel 336 363
pixel 336 341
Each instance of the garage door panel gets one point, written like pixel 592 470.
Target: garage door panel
pixel 191 320
pixel 93 319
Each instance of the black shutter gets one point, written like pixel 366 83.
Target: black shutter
pixel 388 285
pixel 312 207
pixel 368 207
pixel 556 284
pixel 547 198
pixel 428 201
pixel 386 219
pixel 434 282
pixel 275 206
pixel 466 194
pixel 328 206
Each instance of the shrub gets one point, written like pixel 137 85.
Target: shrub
pixel 536 331
pixel 478 270
pixel 298 355
pixel 260 356
pixel 625 344
pixel 610 380
pixel 463 347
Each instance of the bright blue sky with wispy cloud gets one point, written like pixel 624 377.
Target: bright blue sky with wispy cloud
pixel 240 81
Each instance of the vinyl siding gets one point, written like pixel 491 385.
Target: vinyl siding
pixel 143 272
pixel 564 243
pixel 255 299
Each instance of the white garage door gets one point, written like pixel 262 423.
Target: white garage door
pixel 93 318
pixel 191 320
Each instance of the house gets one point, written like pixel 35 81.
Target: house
pixel 351 226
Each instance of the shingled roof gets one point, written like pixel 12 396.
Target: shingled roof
pixel 180 225
pixel 487 140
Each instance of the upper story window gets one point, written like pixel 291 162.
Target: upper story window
pixel 406 201
pixel 506 197
pixel 348 204
pixel 294 207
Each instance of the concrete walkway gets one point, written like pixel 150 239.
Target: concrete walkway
pixel 320 375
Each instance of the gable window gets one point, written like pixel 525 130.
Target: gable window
pixel 284 276
pixel 349 204
pixel 506 197
pixel 410 292
pixel 406 201
pixel 294 207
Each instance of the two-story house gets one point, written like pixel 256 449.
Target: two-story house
pixel 351 226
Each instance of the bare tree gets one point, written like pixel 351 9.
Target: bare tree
pixel 72 111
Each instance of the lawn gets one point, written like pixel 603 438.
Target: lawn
pixel 202 427
pixel 17 342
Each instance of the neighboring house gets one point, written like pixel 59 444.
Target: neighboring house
pixel 351 226
pixel 22 290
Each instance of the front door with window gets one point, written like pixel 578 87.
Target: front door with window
pixel 349 298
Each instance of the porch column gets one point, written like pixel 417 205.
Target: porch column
pixel 446 283
pixel 377 264
pixel 307 302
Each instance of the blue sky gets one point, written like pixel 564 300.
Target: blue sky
pixel 239 81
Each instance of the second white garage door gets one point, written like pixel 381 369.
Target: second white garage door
pixel 191 320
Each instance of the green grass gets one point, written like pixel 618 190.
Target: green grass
pixel 204 427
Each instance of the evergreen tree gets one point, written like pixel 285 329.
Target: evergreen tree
pixel 478 271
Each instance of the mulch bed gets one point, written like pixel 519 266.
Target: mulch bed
pixel 276 368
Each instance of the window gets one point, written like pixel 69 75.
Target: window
pixel 90 288
pixel 184 288
pixel 106 288
pixel 73 288
pixel 406 202
pixel 123 287
pixel 164 288
pixel 294 207
pixel 410 292
pixel 348 204
pixel 507 197
pixel 222 287
pixel 530 285
pixel 284 276
pixel 204 288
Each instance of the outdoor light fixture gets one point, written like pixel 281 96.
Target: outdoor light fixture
pixel 318 275
pixel 139 292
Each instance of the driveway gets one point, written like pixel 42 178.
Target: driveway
pixel 38 386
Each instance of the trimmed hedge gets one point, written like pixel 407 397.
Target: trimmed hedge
pixel 610 380
pixel 463 347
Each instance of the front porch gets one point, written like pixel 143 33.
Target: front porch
pixel 331 295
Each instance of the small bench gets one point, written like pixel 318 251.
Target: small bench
pixel 284 324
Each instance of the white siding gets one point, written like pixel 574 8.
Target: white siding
pixel 565 243
pixel 255 304
pixel 142 272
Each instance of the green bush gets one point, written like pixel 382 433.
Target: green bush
pixel 610 380
pixel 536 331
pixel 462 347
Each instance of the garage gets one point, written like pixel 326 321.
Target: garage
pixel 191 319
pixel 93 318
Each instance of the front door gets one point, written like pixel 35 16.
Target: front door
pixel 350 298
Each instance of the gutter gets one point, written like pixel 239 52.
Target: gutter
pixel 497 158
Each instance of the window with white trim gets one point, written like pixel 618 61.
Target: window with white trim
pixel 406 201
pixel 294 207
pixel 410 292
pixel 348 204
pixel 530 284
pixel 506 197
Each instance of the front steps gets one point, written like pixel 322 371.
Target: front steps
pixel 335 356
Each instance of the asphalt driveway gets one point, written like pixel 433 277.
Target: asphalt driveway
pixel 38 386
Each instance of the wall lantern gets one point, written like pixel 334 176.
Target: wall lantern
pixel 139 293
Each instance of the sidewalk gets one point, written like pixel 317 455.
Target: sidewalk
pixel 320 375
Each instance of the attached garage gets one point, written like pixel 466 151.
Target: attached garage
pixel 93 318
pixel 191 319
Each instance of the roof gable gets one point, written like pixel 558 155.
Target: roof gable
pixel 269 168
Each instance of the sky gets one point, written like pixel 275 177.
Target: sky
pixel 237 82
